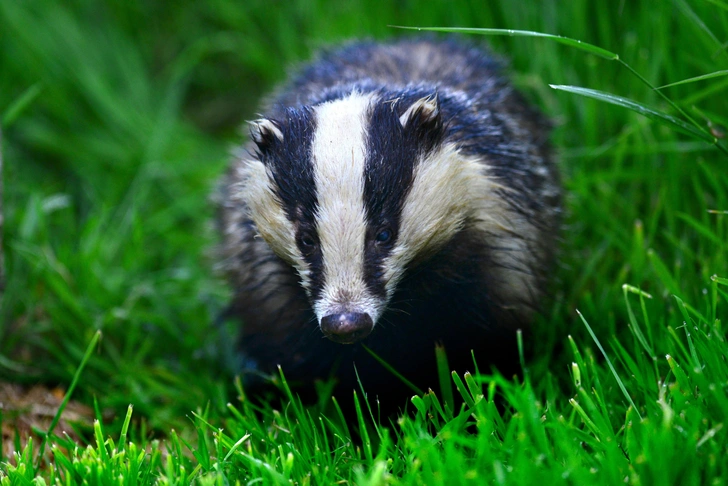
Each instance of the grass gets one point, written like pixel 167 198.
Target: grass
pixel 117 119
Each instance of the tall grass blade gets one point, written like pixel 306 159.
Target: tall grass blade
pixel 125 428
pixel 235 447
pixel 690 13
pixel 696 78
pixel 396 373
pixel 521 354
pixel 365 397
pixel 609 363
pixel 19 105
pixel 584 46
pixel 366 441
pixel 653 114
pixel 633 320
pixel 718 3
pixel 702 229
pixel 463 391
pixel 688 324
pixel 67 397
pixel 443 373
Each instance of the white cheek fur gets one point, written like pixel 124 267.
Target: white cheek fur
pixel 449 188
pixel 267 212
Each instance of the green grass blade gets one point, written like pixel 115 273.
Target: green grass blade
pixel 662 272
pixel 67 397
pixel 644 110
pixel 696 78
pixel 443 373
pixel 100 442
pixel 633 320
pixel 580 362
pixel 683 310
pixel 22 103
pixel 702 229
pixel 389 368
pixel 125 428
pixel 474 389
pixel 585 417
pixel 438 406
pixel 609 363
pixel 687 325
pixel 521 354
pixel 366 441
pixel 235 447
pixel 576 374
pixel 584 46
pixel 463 391
pixel 365 397
pixel 680 376
pixel 718 3
pixel 419 404
pixel 690 14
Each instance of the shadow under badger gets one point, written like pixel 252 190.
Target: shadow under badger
pixel 394 195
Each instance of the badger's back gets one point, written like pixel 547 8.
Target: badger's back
pixel 406 63
pixel 396 195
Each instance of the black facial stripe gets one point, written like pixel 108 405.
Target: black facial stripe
pixel 290 162
pixel 392 153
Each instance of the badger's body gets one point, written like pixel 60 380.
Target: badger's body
pixel 393 195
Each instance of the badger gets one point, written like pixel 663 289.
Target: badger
pixel 393 197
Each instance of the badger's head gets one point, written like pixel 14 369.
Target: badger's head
pixel 354 191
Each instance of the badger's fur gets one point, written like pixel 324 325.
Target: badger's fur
pixel 394 195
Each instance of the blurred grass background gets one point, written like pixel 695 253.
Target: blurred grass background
pixel 118 117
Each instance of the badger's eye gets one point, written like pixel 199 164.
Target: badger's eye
pixel 307 243
pixel 384 236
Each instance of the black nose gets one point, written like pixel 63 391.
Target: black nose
pixel 347 328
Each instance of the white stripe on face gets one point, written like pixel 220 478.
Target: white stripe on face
pixel 447 188
pixel 339 159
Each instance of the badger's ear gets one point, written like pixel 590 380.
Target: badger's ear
pixel 422 112
pixel 265 133
pixel 423 118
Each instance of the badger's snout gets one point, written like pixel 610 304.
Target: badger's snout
pixel 347 327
